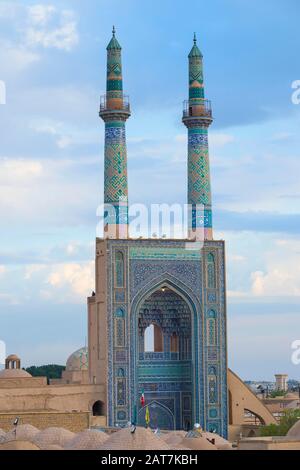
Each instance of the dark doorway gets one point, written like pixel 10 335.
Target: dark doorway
pixel 98 408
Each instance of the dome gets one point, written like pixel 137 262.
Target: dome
pixel 173 438
pixel 220 442
pixel 13 357
pixel 53 447
pixel 197 443
pixel 295 430
pixel 141 439
pixel 87 440
pixel 78 360
pixel 18 445
pixel 14 374
pixel 24 432
pixel 53 436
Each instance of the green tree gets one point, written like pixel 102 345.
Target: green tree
pixel 278 393
pixel 51 371
pixel 287 420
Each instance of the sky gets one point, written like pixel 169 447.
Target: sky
pixel 52 61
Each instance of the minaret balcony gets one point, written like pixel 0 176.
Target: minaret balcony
pixel 110 104
pixel 197 109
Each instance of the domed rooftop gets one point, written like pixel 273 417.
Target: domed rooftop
pixel 13 357
pixel 53 447
pixel 220 442
pixel 14 374
pixel 53 436
pixel 18 445
pixel 173 438
pixel 141 439
pixel 24 432
pixel 197 443
pixel 87 440
pixel 78 360
pixel 295 430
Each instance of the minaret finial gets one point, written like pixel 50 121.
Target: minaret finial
pixel 195 39
pixel 114 31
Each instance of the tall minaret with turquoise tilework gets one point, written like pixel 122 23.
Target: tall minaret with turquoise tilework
pixel 115 110
pixel 197 117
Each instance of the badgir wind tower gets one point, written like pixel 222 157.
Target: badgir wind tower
pixel 159 285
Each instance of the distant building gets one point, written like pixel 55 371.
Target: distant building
pixel 281 382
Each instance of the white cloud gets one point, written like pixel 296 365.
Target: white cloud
pixel 39 32
pixel 41 14
pixel 56 130
pixel 282 274
pixel 220 140
pixel 2 270
pixel 18 170
pixel 77 280
pixel 237 258
pixel 15 58
pixel 236 294
pixel 33 269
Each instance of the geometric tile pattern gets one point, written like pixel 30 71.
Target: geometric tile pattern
pixel 115 181
pixel 115 166
pixel 165 380
pixel 199 189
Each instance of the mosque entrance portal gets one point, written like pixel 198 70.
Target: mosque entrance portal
pixel 165 358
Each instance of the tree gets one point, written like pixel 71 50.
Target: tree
pixel 289 418
pixel 51 371
pixel 278 393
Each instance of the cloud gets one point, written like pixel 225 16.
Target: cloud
pixel 40 25
pixel 281 278
pixel 41 14
pixel 220 140
pixel 77 280
pixel 48 193
pixel 17 171
pixel 64 36
pixel 33 269
pixel 15 58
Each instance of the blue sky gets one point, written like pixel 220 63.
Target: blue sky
pixel 52 59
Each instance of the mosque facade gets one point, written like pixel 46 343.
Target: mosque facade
pixel 173 288
pixel 157 343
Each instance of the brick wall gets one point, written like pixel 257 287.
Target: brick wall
pixel 74 422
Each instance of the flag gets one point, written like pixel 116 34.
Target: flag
pixel 147 415
pixel 143 398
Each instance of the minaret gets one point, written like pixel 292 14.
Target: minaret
pixel 197 117
pixel 115 110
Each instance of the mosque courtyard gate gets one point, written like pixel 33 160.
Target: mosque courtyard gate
pixel 165 360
